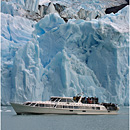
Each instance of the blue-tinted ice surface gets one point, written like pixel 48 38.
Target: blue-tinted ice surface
pixel 16 7
pixel 15 33
pixel 63 59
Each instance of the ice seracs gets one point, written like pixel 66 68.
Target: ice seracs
pixel 51 9
pixel 16 31
pixel 86 10
pixel 53 21
pixel 89 15
pixel 79 56
pixel 59 58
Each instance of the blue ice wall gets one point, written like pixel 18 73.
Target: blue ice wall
pixel 63 59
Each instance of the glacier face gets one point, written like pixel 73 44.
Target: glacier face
pixel 11 8
pixel 63 59
pixel 67 58
pixel 80 9
pixel 15 33
pixel 15 5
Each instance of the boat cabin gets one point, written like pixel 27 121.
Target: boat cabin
pixel 62 99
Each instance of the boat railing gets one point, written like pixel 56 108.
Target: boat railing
pixel 64 106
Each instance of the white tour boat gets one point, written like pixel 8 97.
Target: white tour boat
pixel 66 105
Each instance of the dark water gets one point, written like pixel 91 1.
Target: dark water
pixel 11 121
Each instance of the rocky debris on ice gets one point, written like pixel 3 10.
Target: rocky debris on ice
pixel 115 9
pixel 35 9
pixel 79 10
pixel 27 9
pixel 68 13
pixel 89 15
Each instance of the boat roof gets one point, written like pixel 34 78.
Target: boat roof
pixel 62 97
pixel 50 97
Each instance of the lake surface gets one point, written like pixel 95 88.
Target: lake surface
pixel 11 121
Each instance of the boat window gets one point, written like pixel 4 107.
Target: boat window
pixel 47 105
pixel 32 104
pixel 59 106
pixel 36 105
pixel 71 107
pixel 63 100
pixel 65 106
pixel 86 107
pixel 81 107
pixel 69 100
pixel 97 108
pixel 76 107
pixel 93 107
pixel 51 105
pixel 53 99
pixel 41 105
pixel 27 103
pixel 57 99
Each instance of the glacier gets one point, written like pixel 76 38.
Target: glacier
pixel 11 8
pixel 79 9
pixel 16 5
pixel 51 57
pixel 27 8
pixel 15 33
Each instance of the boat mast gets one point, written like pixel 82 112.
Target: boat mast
pixel 80 97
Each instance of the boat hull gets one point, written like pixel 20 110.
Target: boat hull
pixel 24 109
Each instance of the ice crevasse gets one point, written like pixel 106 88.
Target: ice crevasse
pixel 63 59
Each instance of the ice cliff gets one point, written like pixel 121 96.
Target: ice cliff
pixel 15 33
pixel 23 8
pixel 52 57
pixel 31 5
pixel 79 9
